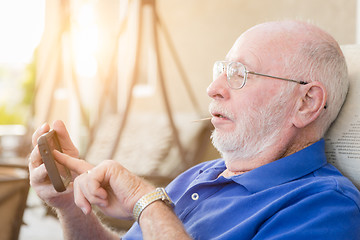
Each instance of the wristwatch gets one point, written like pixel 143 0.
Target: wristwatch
pixel 146 200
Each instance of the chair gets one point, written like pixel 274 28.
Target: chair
pixel 343 138
pixel 14 188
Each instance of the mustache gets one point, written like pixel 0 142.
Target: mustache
pixel 217 108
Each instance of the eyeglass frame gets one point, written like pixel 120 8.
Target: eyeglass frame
pixel 254 73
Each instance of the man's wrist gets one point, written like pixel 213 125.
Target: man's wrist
pixel 69 211
pixel 148 199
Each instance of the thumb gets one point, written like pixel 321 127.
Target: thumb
pixel 73 164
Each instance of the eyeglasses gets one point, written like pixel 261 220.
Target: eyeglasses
pixel 236 74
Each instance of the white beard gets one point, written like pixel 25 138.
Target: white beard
pixel 256 130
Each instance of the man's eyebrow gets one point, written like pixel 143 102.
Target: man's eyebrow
pixel 249 66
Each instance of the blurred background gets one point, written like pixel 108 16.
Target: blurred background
pixel 128 77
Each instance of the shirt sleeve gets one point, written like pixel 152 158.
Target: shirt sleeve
pixel 325 215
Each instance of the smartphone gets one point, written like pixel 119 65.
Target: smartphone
pixel 59 175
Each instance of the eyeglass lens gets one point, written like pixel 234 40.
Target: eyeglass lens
pixel 235 73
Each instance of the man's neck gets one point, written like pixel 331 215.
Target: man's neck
pixel 240 166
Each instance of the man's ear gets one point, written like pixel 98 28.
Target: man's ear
pixel 311 103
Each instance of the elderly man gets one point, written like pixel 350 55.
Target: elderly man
pixel 273 98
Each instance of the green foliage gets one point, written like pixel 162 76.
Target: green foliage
pixel 17 112
pixel 9 117
pixel 28 84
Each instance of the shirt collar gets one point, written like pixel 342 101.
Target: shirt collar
pixel 285 169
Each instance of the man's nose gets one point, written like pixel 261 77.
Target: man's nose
pixel 218 89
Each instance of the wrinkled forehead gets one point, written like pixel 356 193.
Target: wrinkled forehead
pixel 244 53
pixel 260 49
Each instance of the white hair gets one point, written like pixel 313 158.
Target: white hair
pixel 324 62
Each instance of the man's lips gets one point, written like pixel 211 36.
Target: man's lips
pixel 219 115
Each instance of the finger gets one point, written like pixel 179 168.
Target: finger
pixel 94 187
pixel 64 138
pixel 73 164
pixel 38 175
pixel 91 190
pixel 79 197
pixel 35 159
pixel 40 131
pixel 94 193
pixel 83 195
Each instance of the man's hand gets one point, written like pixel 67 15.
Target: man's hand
pixel 109 185
pixel 39 179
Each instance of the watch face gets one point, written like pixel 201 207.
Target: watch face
pixel 166 197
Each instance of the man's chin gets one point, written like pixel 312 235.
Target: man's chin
pixel 225 143
pixel 231 152
pixel 231 156
pixel 227 153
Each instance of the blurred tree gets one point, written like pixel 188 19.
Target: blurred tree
pixel 20 110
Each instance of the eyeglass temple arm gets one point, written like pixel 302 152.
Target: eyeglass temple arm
pixel 285 79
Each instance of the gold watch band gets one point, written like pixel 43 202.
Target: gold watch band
pixel 146 200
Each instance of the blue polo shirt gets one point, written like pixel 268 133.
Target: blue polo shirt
pixel 300 196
